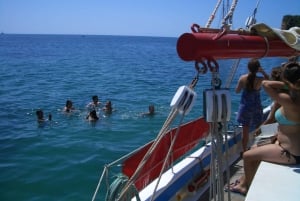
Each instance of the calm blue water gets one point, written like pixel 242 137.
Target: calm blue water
pixel 63 160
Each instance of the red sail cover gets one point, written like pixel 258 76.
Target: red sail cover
pixel 188 137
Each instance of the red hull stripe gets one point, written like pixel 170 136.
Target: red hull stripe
pixel 188 137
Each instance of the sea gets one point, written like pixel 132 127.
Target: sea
pixel 63 159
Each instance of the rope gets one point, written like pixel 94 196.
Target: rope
pixel 167 157
pixel 122 187
pixel 232 73
pixel 98 185
pixel 117 186
pixel 252 20
pixel 161 134
pixel 227 158
pixel 212 16
pixel 217 130
pixel 237 62
pixel 164 129
pixel 126 186
pixel 230 13
pixel 216 165
pixel 225 126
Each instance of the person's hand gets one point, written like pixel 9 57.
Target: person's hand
pixel 257 132
pixel 261 70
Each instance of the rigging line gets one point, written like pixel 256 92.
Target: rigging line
pixel 237 62
pixel 107 166
pixel 167 156
pixel 232 73
pixel 230 13
pixel 212 189
pixel 227 157
pixel 99 183
pixel 212 16
pixel 217 130
pixel 255 9
pixel 164 129
pixel 252 20
pixel 170 118
pixel 214 147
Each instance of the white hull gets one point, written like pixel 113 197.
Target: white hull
pixel 174 182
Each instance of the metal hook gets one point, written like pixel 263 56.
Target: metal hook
pixel 195 28
pixel 201 69
pixel 212 65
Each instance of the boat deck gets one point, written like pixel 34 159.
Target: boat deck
pixel 236 171
pixel 267 177
pixel 275 182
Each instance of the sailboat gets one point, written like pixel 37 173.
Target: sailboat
pixel 182 163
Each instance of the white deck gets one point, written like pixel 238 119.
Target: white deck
pixel 274 182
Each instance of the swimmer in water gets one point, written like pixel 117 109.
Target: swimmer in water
pixel 151 111
pixel 108 108
pixel 69 106
pixel 40 116
pixel 92 116
pixel 95 104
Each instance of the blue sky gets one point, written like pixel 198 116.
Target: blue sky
pixel 129 17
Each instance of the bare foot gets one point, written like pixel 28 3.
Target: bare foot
pixel 237 188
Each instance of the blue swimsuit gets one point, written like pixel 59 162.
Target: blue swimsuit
pixel 281 119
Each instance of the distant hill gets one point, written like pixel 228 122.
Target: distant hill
pixel 289 21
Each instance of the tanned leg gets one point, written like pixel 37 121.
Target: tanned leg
pixel 250 166
pixel 252 159
pixel 245 138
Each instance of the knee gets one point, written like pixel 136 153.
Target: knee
pixel 249 156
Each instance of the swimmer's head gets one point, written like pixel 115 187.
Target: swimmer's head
pixel 39 114
pixel 95 98
pixel 69 103
pixel 151 109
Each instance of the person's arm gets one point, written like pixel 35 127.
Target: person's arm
pixel 271 117
pixel 272 89
pixel 239 86
pixel 261 70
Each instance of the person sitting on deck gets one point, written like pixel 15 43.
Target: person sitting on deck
pixel 276 76
pixel 286 149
